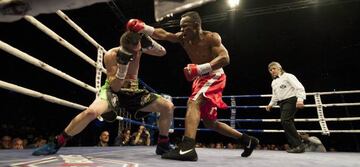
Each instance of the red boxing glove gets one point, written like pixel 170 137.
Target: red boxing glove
pixel 139 26
pixel 191 71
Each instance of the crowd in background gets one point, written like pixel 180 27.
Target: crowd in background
pixel 14 140
pixel 142 137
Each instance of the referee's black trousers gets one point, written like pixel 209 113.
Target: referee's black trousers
pixel 288 110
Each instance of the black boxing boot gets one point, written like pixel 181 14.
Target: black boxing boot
pixel 184 152
pixel 249 143
pixel 163 145
pixel 53 147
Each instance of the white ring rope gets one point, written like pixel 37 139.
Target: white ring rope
pixel 42 96
pixel 296 120
pixel 79 29
pixel 308 94
pixel 98 64
pixel 323 105
pixel 308 119
pixel 26 57
pixel 36 62
pixel 281 131
pixel 310 131
pixel 100 54
pixel 101 50
pixel 318 105
pixel 62 41
pixel 334 92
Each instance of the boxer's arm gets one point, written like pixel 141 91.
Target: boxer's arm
pixel 137 25
pixel 112 69
pixel 161 34
pixel 151 47
pixel 219 52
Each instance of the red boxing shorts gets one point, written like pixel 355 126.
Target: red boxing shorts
pixel 211 87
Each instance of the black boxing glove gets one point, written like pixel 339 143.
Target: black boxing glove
pixel 123 57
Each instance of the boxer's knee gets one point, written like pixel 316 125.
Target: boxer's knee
pixel 193 105
pixel 170 107
pixel 91 113
pixel 166 107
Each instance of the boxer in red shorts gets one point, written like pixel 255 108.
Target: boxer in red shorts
pixel 208 55
pixel 209 86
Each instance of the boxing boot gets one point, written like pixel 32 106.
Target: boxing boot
pixel 184 152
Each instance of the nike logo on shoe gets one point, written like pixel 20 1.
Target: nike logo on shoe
pixel 184 152
pixel 248 146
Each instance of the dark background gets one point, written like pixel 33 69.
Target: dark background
pixel 319 44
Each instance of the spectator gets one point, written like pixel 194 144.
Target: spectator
pixel 141 137
pixel 211 145
pixel 286 146
pixel 18 144
pixel 219 145
pixel 104 139
pixel 5 142
pixel 38 142
pixel 199 145
pixel 230 146
pixel 25 143
pixel 125 137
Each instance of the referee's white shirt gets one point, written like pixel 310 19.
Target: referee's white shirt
pixel 286 86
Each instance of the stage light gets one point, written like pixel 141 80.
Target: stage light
pixel 233 3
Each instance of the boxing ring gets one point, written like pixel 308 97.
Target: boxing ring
pixel 141 156
pixel 145 156
pixel 318 104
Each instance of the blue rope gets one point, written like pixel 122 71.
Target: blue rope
pixel 236 96
pixel 147 86
pixel 140 123
pixel 240 130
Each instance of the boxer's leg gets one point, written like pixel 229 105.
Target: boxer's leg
pixel 249 142
pixel 84 118
pixel 165 108
pixel 77 124
pixel 186 149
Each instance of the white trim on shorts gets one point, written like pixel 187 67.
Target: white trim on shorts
pixel 207 85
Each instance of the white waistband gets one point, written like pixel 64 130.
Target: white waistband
pixel 217 71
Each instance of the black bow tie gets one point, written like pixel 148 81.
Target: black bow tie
pixel 276 77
